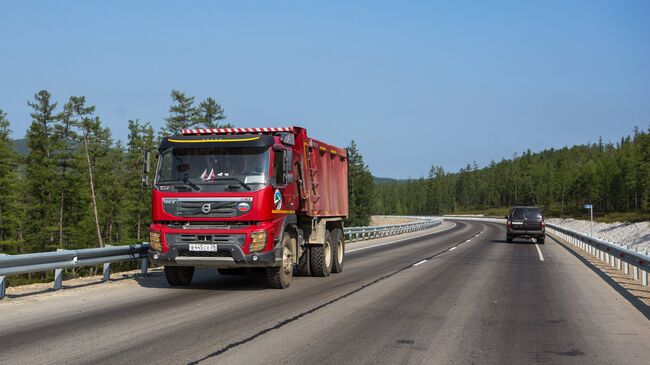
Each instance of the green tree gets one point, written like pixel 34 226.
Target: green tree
pixel 9 183
pixel 209 114
pixel 360 188
pixel 182 114
pixel 91 135
pixel 140 142
pixel 41 173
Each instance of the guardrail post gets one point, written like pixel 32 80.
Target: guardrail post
pixel 106 273
pixel 144 265
pixel 3 283
pixel 635 272
pixel 58 276
pixel 644 278
pixel 626 268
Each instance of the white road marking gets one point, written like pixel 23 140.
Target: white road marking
pixel 419 263
pixel 469 240
pixel 453 248
pixel 541 257
pixel 391 242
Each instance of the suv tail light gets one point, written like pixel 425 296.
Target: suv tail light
pixel 541 224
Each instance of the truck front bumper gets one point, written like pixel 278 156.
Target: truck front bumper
pixel 233 247
pixel 229 256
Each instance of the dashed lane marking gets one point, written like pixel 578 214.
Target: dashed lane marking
pixel 539 251
pixel 420 263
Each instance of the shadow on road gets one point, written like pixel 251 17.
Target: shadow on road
pixel 207 279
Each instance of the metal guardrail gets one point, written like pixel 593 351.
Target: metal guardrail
pixel 64 259
pixel 364 233
pixel 615 255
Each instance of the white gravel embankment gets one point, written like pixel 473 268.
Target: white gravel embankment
pixel 633 235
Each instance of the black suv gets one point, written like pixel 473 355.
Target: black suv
pixel 525 222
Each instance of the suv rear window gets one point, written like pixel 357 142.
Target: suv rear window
pixel 526 213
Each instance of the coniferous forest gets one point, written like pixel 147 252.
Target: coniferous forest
pixel 614 177
pixel 73 185
pixel 70 184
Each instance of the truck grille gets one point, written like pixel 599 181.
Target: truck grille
pixel 204 208
pixel 232 239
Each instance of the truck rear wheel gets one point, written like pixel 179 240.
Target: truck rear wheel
pixel 280 277
pixel 321 258
pixel 338 248
pixel 179 275
pixel 302 269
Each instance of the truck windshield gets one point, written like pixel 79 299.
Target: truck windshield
pixel 214 169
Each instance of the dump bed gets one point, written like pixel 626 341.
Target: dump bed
pixel 323 177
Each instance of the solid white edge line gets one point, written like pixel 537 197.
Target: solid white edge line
pixel 541 257
pixel 419 263
pixel 403 239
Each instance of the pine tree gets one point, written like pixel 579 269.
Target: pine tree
pixel 41 173
pixel 90 133
pixel 360 188
pixel 209 114
pixel 140 142
pixel 64 138
pixel 9 184
pixel 182 113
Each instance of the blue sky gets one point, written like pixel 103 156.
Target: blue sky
pixel 414 83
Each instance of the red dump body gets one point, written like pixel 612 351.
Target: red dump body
pixel 323 170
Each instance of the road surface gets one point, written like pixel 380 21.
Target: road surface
pixel 458 296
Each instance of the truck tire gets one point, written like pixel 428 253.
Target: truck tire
pixel 321 258
pixel 338 250
pixel 302 269
pixel 279 277
pixel 179 275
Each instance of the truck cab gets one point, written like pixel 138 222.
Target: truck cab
pixel 232 200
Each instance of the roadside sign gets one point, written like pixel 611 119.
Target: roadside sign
pixel 588 206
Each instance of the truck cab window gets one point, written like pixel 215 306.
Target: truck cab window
pixel 278 167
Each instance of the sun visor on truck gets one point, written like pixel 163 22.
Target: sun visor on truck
pixel 212 141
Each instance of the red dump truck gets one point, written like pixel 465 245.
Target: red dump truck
pixel 249 199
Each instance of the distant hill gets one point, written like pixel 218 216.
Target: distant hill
pixel 387 180
pixel 20 147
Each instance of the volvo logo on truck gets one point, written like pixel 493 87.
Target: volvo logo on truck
pixel 206 208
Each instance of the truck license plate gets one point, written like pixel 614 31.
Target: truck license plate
pixel 211 247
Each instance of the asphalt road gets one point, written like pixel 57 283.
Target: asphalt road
pixel 462 295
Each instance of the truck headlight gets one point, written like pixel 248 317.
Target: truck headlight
pixel 154 241
pixel 258 241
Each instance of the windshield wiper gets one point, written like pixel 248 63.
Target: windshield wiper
pixel 243 184
pixel 185 181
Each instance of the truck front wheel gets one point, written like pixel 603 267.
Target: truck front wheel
pixel 321 257
pixel 179 275
pixel 280 277
pixel 338 248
